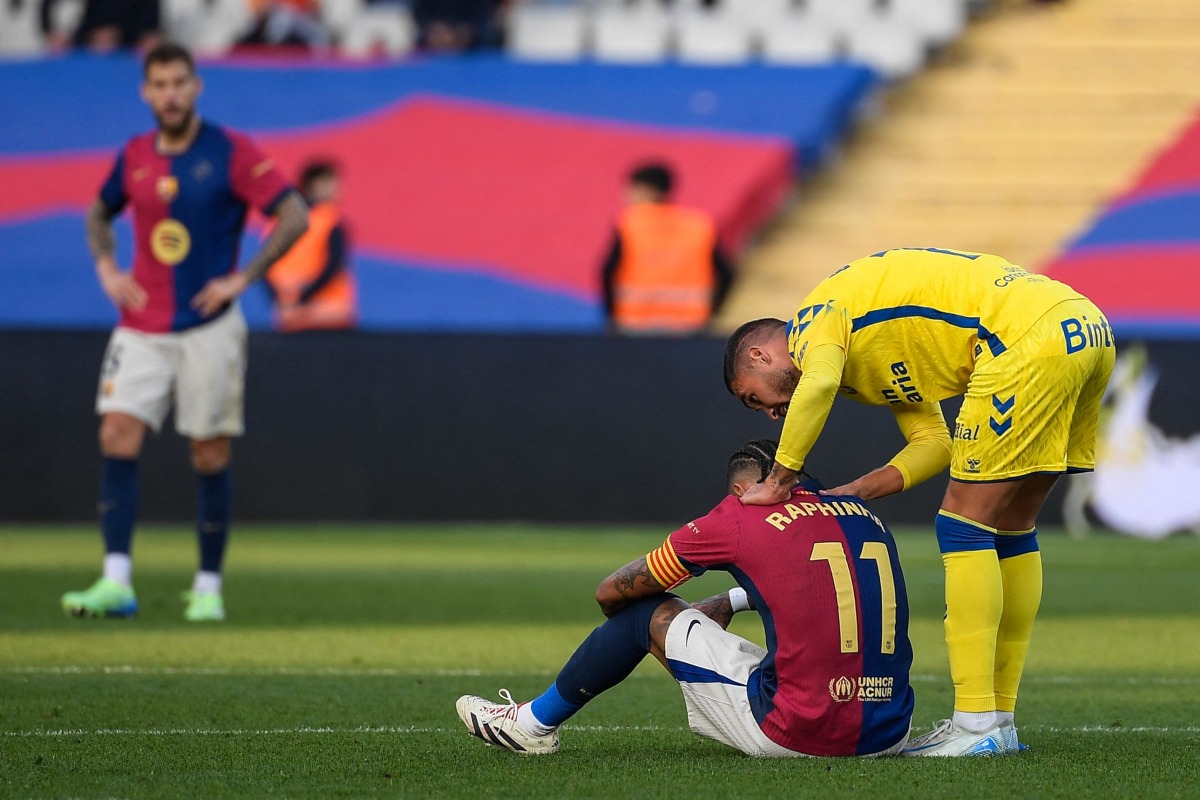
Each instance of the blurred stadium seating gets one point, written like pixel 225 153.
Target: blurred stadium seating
pixel 1010 143
pixel 481 189
pixel 793 76
pixel 893 36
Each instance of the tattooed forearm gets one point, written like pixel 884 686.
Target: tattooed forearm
pixel 293 222
pixel 631 582
pixel 716 608
pixel 100 238
pixel 624 579
pixel 627 578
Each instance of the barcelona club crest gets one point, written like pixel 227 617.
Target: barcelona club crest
pixel 167 188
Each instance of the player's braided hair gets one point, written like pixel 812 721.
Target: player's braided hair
pixel 739 342
pixel 757 456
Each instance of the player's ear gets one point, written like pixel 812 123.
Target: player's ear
pixel 738 488
pixel 199 85
pixel 759 357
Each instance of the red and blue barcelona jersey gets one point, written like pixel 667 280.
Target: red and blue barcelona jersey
pixel 824 574
pixel 189 211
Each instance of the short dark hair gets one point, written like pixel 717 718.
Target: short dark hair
pixel 739 342
pixel 656 175
pixel 756 457
pixel 167 53
pixel 314 170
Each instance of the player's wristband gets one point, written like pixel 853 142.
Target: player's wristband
pixel 738 600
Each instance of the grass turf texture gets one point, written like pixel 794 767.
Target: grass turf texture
pixel 337 671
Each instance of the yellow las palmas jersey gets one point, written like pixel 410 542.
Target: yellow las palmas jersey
pixel 910 325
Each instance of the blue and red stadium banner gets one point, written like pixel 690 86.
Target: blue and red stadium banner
pixel 1139 260
pixel 480 192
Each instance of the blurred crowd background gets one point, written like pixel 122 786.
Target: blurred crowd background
pixel 483 150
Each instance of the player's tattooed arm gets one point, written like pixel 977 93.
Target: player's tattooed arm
pixel 100 238
pixel 291 223
pixel 631 582
pixel 120 287
pixel 717 608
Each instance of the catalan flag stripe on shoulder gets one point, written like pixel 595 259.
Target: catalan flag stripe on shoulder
pixel 666 567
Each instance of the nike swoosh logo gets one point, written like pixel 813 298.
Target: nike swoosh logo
pixel 688 635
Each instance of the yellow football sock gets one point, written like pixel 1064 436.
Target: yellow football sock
pixel 1022 579
pixel 973 604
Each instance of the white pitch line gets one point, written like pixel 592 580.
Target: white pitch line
pixel 419 730
pixel 386 672
pixel 1149 680
pixel 1109 729
pixel 66 732
pixel 316 672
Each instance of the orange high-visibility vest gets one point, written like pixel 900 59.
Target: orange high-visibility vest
pixel 336 305
pixel 665 279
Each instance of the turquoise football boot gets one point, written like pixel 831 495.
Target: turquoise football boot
pixel 105 598
pixel 204 607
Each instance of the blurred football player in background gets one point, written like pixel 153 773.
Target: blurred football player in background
pixel 181 338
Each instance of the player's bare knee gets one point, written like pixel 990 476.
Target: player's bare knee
pixel 121 436
pixel 660 623
pixel 210 456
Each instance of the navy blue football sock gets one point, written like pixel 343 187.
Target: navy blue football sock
pixel 214 511
pixel 118 502
pixel 605 658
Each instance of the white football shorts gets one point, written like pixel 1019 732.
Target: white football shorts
pixel 202 371
pixel 717 704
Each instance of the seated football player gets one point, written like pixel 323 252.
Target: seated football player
pixel 824 576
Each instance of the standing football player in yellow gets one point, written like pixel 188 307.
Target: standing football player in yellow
pixel 909 328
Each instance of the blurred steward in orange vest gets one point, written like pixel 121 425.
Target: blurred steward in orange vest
pixel 665 272
pixel 311 285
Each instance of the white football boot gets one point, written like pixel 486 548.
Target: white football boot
pixel 948 739
pixel 497 724
pixel 1008 735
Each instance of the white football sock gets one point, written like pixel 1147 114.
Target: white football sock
pixel 208 582
pixel 975 721
pixel 118 567
pixel 1005 718
pixel 529 723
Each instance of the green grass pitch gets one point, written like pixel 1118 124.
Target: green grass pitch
pixel 345 648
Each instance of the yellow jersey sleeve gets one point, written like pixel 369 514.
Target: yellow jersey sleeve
pixel 817 324
pixel 928 450
pixel 811 402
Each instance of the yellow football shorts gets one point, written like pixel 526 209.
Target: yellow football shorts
pixel 1034 408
